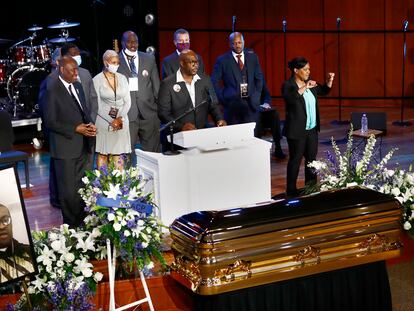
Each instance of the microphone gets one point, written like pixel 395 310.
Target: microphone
pixel 405 25
pixel 338 22
pixel 233 21
pixel 284 25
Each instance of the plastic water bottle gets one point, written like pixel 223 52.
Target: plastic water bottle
pixel 364 123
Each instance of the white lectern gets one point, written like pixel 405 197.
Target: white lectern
pixel 222 168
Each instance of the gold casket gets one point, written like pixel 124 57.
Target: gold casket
pixel 221 251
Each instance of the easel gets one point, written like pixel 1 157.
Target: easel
pixel 111 270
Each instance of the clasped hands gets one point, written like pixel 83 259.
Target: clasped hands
pixel 88 130
pixel 117 124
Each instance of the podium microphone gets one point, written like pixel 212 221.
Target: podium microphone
pixel 284 25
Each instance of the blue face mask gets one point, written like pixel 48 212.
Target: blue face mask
pixel 78 59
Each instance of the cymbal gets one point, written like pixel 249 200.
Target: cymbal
pixel 34 28
pixel 61 40
pixel 5 41
pixel 63 24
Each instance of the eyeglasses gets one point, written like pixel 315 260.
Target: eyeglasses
pixel 5 220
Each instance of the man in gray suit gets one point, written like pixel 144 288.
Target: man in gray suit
pixel 141 70
pixel 71 130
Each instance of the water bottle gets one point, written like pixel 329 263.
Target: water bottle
pixel 364 123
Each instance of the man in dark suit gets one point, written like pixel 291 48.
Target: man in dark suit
pixel 187 89
pixel 141 70
pixel 171 63
pixel 241 77
pixel 67 118
pixel 85 78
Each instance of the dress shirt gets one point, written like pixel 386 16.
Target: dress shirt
pixel 190 87
pixel 241 58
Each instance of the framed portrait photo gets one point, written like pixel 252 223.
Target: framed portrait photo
pixel 17 258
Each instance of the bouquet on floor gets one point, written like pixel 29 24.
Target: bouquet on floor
pixel 351 168
pixel 120 206
pixel 66 280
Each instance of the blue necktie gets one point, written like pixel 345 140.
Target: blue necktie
pixel 132 66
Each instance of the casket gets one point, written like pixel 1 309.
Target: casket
pixel 221 251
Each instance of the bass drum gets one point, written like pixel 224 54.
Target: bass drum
pixel 23 87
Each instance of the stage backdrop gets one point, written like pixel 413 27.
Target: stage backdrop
pixel 371 41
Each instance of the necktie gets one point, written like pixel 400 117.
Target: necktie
pixel 132 66
pixel 239 61
pixel 78 104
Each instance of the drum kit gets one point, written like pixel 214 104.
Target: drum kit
pixel 26 65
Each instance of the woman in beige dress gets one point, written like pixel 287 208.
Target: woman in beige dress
pixel 114 101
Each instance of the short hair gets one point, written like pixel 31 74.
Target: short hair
pixel 180 31
pixel 233 34
pixel 66 47
pixel 297 63
pixel 108 54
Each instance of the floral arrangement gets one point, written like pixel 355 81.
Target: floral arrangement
pixel 118 205
pixel 66 280
pixel 351 168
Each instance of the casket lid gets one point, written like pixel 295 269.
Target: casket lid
pixel 210 226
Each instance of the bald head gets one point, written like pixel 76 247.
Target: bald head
pixel 68 69
pixel 6 227
pixel 188 63
pixel 130 42
pixel 236 42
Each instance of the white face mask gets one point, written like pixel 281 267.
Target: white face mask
pixel 112 68
pixel 78 59
pixel 129 53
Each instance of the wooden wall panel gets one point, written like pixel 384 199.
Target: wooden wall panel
pixel 371 40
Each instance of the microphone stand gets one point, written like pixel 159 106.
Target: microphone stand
pixel 339 121
pixel 233 23
pixel 401 122
pixel 284 28
pixel 171 124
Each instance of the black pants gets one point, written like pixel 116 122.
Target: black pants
pixel 69 173
pixel 307 147
pixel 269 119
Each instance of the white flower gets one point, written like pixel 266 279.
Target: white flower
pixel 60 263
pixel 117 226
pixel 176 88
pixel 133 194
pixel 69 257
pixel 407 225
pixel 86 245
pixel 98 173
pixel 111 217
pixel 98 277
pixel 83 267
pixel 351 184
pixel 127 233
pixel 116 173
pixel 150 265
pixel 395 192
pixel 46 257
pixel 113 191
pixel 85 180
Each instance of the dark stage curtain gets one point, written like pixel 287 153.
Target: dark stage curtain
pixel 359 288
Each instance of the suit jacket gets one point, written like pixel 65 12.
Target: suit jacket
pixel 62 116
pixel 295 123
pixel 174 100
pixel 143 101
pixel 227 72
pixel 91 98
pixel 171 64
